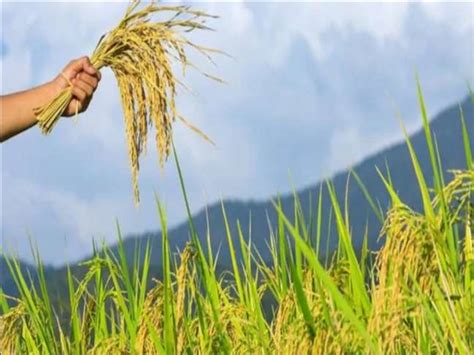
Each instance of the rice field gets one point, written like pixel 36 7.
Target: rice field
pixel 415 295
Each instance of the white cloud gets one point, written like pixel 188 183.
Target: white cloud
pixel 309 91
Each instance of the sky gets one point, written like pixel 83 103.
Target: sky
pixel 311 89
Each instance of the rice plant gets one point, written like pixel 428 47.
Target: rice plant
pixel 415 297
pixel 141 52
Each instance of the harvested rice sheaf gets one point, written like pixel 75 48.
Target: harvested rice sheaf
pixel 141 52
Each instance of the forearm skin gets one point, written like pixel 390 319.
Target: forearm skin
pixel 16 109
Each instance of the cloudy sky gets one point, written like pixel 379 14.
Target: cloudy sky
pixel 312 88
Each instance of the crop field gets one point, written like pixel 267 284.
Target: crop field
pixel 414 295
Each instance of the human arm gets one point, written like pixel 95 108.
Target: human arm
pixel 17 109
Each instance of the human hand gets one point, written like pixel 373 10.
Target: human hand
pixel 84 79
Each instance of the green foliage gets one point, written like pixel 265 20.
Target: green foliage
pixel 415 295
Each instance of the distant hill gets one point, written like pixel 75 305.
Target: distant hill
pixel 446 127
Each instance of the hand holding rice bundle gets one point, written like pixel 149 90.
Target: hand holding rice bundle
pixel 140 53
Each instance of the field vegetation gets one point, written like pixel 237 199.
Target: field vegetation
pixel 414 295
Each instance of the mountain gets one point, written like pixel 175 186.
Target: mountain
pixel 446 127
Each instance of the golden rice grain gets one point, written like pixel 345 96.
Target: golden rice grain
pixel 140 52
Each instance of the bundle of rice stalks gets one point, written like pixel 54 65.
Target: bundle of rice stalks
pixel 141 53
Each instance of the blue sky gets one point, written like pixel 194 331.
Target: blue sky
pixel 312 89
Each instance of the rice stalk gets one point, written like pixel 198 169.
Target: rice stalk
pixel 141 52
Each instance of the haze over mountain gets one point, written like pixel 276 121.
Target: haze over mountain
pixel 446 127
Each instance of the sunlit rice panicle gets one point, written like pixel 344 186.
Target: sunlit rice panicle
pixel 414 255
pixel 141 53
pixel 11 328
pixel 181 280
pixel 152 316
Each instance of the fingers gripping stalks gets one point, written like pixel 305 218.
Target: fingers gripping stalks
pixel 140 52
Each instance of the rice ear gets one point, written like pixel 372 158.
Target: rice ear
pixel 140 52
